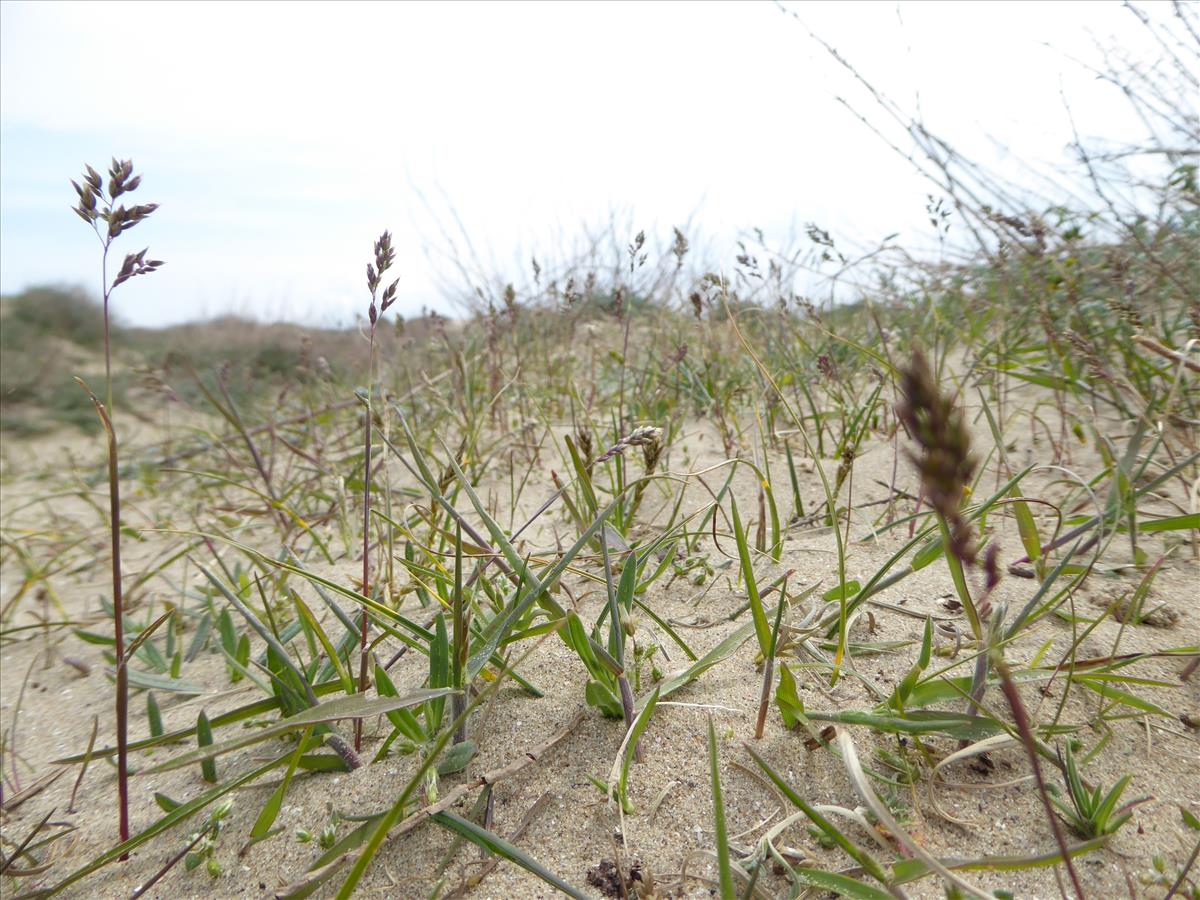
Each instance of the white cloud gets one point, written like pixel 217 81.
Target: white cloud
pixel 283 137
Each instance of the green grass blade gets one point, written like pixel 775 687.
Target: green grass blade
pixel 860 856
pixel 1188 522
pixel 1108 692
pixel 842 885
pixel 635 735
pixel 493 843
pixel 724 873
pixel 717 654
pixel 353 707
pixel 907 870
pixel 921 721
pixel 762 628
pixel 330 653
pixel 241 714
pixel 270 811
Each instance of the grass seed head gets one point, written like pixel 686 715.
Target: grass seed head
pixel 945 463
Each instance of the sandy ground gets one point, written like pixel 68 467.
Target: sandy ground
pixel 48 707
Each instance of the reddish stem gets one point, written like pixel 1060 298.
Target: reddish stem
pixel 366 551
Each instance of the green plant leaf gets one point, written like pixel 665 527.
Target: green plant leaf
pixel 724 872
pixel 1188 522
pixel 270 811
pixel 842 885
pixel 762 627
pixel 457 758
pixel 635 735
pixel 1190 820
pixel 842 592
pixel 1108 692
pixel 918 721
pixel 172 818
pixel 493 843
pixel 352 707
pixel 717 654
pixel 787 698
pixel 331 654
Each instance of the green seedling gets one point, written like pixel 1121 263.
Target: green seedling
pixel 1093 813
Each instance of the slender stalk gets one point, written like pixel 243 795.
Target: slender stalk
pixel 171 863
pixel 108 389
pixel 1021 720
pixel 114 517
pixel 458 660
pixel 384 256
pixel 98 205
pixel 114 506
pixel 366 538
pixel 764 699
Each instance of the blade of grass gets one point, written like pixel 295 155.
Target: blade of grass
pixel 724 873
pixel 354 706
pixel 493 843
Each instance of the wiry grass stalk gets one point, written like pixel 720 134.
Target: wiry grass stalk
pixel 1021 719
pixel 461 636
pixel 384 257
pixel 96 205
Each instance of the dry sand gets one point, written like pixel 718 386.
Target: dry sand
pixel 47 710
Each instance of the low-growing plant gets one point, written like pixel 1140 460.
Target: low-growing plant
pixel 1094 812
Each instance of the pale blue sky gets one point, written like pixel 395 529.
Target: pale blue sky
pixel 280 139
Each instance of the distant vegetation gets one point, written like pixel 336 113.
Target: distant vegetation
pixel 50 334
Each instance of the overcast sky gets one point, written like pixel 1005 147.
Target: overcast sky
pixel 281 138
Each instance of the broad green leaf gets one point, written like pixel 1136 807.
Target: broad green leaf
pixel 204 738
pixel 1027 528
pixel 842 592
pixel 154 715
pixel 457 758
pixel 1189 819
pixel 402 719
